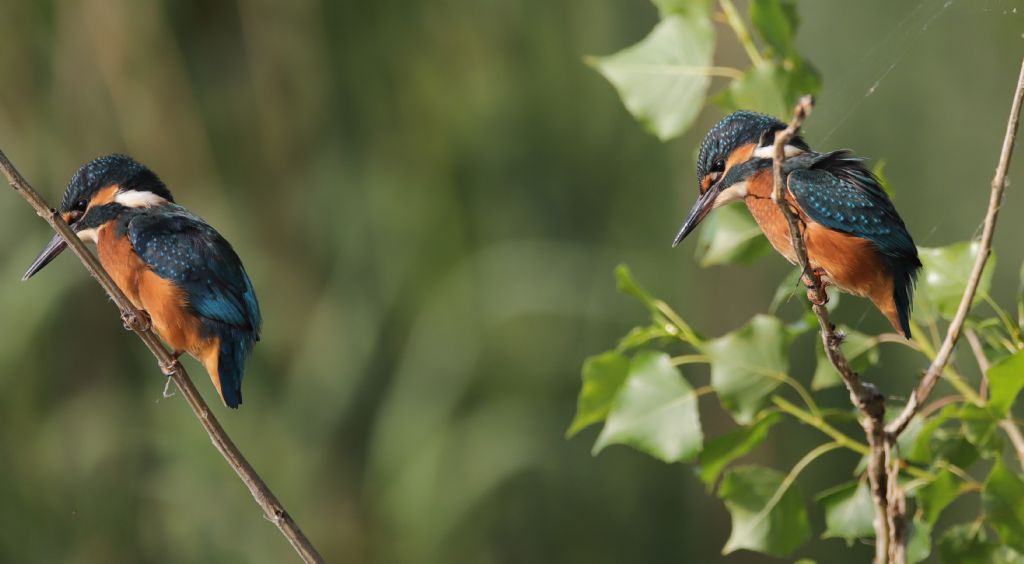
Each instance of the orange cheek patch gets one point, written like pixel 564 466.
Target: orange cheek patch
pixel 105 195
pixel 740 155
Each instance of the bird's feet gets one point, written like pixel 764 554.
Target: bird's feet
pixel 169 368
pixel 812 296
pixel 811 282
pixel 137 320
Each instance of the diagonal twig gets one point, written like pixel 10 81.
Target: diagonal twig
pixel 924 387
pixel 133 319
pixel 862 394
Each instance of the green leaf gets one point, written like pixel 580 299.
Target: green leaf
pixel 730 236
pixel 640 336
pixel 763 88
pixel 979 428
pixel 761 520
pixel 953 446
pixel 725 448
pixel 939 493
pixel 860 350
pixel 683 7
pixel 748 364
pixel 921 452
pixel 945 274
pixel 849 512
pixel 919 541
pixel 628 285
pixel 663 80
pixel 967 544
pixel 603 376
pixel 1002 499
pixel 655 411
pixel 1005 380
pixel 776 22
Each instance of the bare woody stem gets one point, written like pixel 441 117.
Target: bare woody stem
pixel 862 394
pixel 133 318
pixel 931 377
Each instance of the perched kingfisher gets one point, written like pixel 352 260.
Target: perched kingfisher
pixel 168 262
pixel 855 239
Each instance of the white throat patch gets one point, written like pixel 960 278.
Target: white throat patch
pixel 137 199
pixel 88 235
pixel 734 193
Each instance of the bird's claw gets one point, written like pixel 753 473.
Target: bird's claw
pixel 812 296
pixel 137 320
pixel 169 368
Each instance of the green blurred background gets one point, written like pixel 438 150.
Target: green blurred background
pixel 430 198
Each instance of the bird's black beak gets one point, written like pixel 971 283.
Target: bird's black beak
pixel 704 204
pixel 55 247
pixel 50 252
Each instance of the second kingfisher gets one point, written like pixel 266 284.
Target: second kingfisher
pixel 168 262
pixel 855 239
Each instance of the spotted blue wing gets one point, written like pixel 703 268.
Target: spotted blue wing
pixel 850 200
pixel 180 247
pixel 837 192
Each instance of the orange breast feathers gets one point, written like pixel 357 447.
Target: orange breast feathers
pixel 850 263
pixel 165 303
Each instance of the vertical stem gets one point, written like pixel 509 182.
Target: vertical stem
pixel 732 15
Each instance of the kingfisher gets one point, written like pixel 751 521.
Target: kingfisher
pixel 855 240
pixel 169 263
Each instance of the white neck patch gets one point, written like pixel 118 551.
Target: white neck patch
pixel 139 199
pixel 768 152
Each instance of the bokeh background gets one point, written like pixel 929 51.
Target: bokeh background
pixel 430 198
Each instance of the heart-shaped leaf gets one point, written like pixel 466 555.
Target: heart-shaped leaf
pixel 849 512
pixel 655 411
pixel 748 364
pixel 761 520
pixel 663 80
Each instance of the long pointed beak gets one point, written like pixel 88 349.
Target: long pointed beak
pixel 50 252
pixel 704 204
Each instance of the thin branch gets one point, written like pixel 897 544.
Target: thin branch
pixel 930 378
pixel 863 395
pixel 1007 425
pixel 135 320
pixel 983 363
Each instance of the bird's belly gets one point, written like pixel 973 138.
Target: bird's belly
pixel 850 263
pixel 166 304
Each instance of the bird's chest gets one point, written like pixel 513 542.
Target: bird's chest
pixel 120 261
pixel 774 225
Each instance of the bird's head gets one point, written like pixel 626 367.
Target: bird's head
pixel 737 147
pixel 97 193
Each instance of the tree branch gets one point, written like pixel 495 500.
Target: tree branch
pixel 862 394
pixel 924 387
pixel 133 320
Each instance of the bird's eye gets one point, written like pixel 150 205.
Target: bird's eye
pixel 80 205
pixel 718 165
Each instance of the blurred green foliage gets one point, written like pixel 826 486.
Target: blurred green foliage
pixel 429 198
